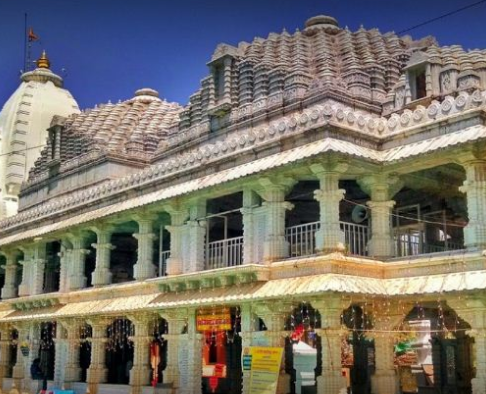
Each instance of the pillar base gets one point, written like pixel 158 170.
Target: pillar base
pixel 101 277
pixel 144 271
pixel 384 382
pixel 479 385
pixel 275 248
pixel 331 382
pixel 76 282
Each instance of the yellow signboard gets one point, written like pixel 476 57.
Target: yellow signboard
pixel 264 366
pixel 220 321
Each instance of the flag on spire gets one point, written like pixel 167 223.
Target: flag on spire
pixel 32 36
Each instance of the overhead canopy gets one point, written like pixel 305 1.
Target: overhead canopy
pixel 280 289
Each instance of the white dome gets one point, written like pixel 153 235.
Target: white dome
pixel 24 121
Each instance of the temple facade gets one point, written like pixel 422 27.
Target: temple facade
pixel 325 188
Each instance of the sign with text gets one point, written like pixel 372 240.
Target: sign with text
pixel 264 366
pixel 219 320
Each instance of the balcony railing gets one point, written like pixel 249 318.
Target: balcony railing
pixel 412 245
pixel 224 253
pixel 302 238
pixel 164 255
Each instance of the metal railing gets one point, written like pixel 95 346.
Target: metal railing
pixel 413 245
pixel 224 253
pixel 164 255
pixel 302 238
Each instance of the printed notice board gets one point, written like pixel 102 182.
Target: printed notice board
pixel 264 366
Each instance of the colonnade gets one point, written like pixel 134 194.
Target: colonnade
pixel 185 343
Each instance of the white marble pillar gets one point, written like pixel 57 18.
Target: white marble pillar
pixel 196 237
pixel 9 289
pixel 64 262
pixel 190 358
pixel 34 336
pixel 76 262
pixel 248 329
pixel 275 247
pixel 385 379
pixel 176 321
pixel 139 374
pixel 70 369
pixel 38 268
pixel 102 274
pixel 4 352
pixel 381 188
pixel 329 237
pixel 145 268
pixel 178 217
pixel 473 311
pixel 274 316
pixel 97 371
pixel 475 188
pixel 331 380
pixel 250 202
pixel 18 372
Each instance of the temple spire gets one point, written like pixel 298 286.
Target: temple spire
pixel 43 61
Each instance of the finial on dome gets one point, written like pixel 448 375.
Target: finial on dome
pixel 321 22
pixel 43 61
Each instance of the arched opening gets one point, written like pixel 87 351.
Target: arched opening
pixel 12 352
pixel 119 351
pixel 47 350
pixel 221 352
pixel 85 333
pixel 303 342
pixel 3 262
pixel 158 351
pixel 124 254
pixel 434 351
pixel 358 351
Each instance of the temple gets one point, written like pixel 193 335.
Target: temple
pixel 24 121
pixel 322 190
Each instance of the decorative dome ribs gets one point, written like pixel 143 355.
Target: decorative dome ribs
pixel 131 128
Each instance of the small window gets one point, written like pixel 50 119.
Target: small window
pixel 418 83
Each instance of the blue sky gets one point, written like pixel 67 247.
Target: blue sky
pixel 110 48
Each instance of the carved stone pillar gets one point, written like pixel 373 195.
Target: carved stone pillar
pixel 33 338
pixel 227 79
pixel 18 372
pixel 102 274
pixel 475 188
pixel 38 267
pixel 385 379
pixel 9 289
pixel 176 230
pixel 176 321
pixel 190 358
pixel 64 262
pixel 60 345
pixel 331 380
pixel 329 236
pixel 274 317
pixel 275 246
pixel 196 241
pixel 145 268
pixel 139 375
pixel 250 201
pixel 76 264
pixel 381 188
pixel 71 368
pixel 473 311
pixel 248 328
pixel 97 371
pixel 4 352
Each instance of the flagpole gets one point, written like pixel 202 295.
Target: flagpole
pixel 25 42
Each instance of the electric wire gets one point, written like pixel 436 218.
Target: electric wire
pixel 442 16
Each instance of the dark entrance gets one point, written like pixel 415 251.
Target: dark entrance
pixel 119 351
pixel 222 357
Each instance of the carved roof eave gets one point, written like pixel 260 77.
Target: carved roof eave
pixel 84 162
pixel 450 110
pixel 311 99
